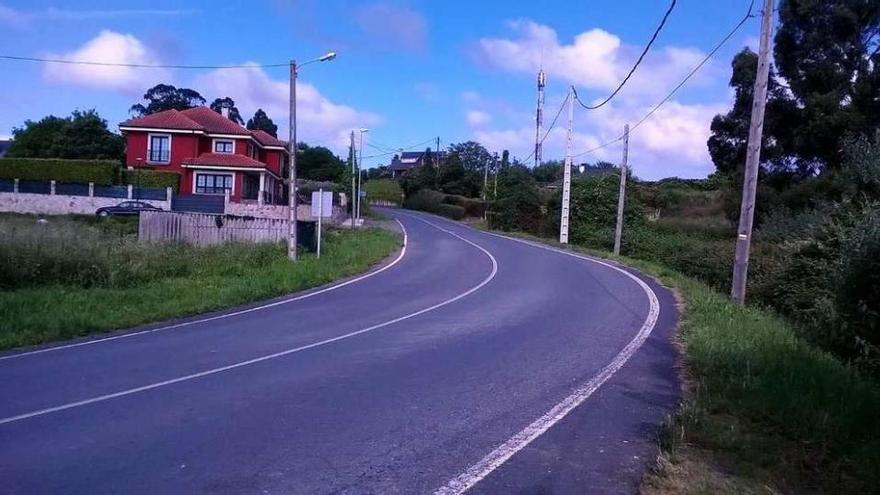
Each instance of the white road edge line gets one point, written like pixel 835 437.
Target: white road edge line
pixel 260 359
pixel 222 316
pixel 474 474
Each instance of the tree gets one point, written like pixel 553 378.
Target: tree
pixel 319 163
pixel 219 103
pixel 261 121
pixel 83 135
pixel 549 171
pixel 827 52
pixel 518 205
pixel 730 132
pixel 163 97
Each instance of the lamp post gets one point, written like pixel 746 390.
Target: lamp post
pixel 360 157
pixel 291 150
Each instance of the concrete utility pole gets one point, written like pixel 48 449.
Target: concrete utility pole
pixel 621 195
pixel 353 179
pixel 291 150
pixel 291 173
pixel 360 164
pixel 753 160
pixel 566 176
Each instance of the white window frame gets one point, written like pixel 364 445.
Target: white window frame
pixel 222 140
pixel 209 172
pixel 150 137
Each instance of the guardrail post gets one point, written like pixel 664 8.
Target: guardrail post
pixel 52 187
pixel 15 186
pixel 130 191
pixel 91 189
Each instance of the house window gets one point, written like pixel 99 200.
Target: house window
pixel 224 146
pixel 252 150
pixel 159 149
pixel 213 183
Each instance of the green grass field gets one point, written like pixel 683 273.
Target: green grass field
pixel 73 276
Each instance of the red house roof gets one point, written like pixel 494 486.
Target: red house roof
pixel 213 122
pixel 267 139
pixel 224 160
pixel 169 119
pixel 196 119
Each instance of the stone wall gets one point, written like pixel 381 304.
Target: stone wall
pixel 303 212
pixel 60 204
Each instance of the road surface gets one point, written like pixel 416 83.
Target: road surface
pixel 467 363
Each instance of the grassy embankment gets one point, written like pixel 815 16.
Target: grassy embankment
pixel 765 412
pixel 73 276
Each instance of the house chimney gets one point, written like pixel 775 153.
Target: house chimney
pixel 224 111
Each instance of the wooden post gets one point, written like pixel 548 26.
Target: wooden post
pixel 621 196
pixel 753 161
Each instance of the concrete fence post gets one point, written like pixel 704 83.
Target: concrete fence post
pixel 52 187
pixel 91 189
pixel 169 194
pixel 226 201
pixel 15 186
pixel 130 191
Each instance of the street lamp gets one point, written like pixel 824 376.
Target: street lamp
pixel 360 164
pixel 291 150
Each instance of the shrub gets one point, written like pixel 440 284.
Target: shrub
pixel 101 172
pixel 518 205
pixel 594 207
pixel 473 207
pixel 383 190
pixel 151 178
pixel 454 212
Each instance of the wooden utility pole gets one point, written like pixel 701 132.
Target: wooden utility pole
pixel 753 161
pixel 353 179
pixel 621 195
pixel 566 175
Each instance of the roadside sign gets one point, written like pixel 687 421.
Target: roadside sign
pixel 322 206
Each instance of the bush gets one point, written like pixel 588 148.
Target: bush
pixel 473 207
pixel 151 178
pixel 383 190
pixel 454 212
pixel 594 207
pixel 101 172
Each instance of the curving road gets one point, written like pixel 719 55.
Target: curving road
pixel 470 362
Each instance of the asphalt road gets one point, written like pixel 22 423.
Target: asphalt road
pixel 469 362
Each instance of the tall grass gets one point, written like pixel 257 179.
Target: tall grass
pixel 84 277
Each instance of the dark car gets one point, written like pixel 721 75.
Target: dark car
pixel 126 208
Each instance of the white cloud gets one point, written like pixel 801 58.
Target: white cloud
pixel 594 60
pixel 395 26
pixel 477 118
pixel 470 96
pixel 110 47
pixel 319 120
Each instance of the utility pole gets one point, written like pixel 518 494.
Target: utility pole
pixel 566 176
pixel 539 118
pixel 621 195
pixel 753 160
pixel 353 178
pixel 360 164
pixel 291 146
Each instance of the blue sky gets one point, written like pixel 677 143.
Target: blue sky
pixel 408 70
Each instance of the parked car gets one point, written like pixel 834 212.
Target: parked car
pixel 126 208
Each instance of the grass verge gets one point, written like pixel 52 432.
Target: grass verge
pixel 765 412
pixel 137 286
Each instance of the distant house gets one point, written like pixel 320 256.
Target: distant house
pixel 212 154
pixel 4 146
pixel 408 160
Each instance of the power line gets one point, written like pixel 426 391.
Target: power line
pixel 398 149
pixel 696 69
pixel 139 66
pixel 635 66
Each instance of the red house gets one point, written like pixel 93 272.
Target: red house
pixel 212 154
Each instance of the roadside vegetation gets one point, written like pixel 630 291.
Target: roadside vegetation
pixel 69 276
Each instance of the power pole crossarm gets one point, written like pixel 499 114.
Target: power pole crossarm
pixel 621 196
pixel 753 160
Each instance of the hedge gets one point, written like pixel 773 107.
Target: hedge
pixel 151 178
pixel 439 203
pixel 101 172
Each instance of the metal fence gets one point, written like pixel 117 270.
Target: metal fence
pixel 80 189
pixel 71 189
pixel 208 230
pixel 111 191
